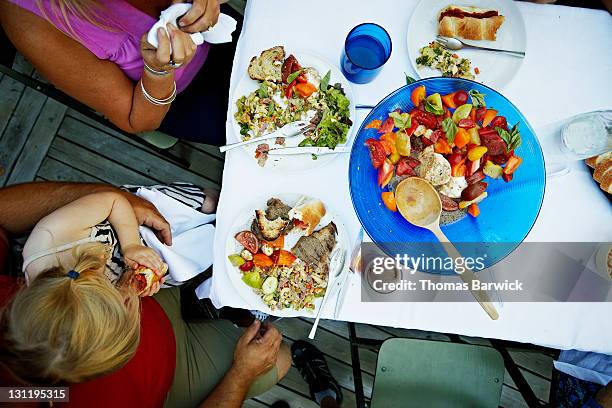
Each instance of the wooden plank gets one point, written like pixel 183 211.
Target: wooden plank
pixel 53 170
pixel 38 142
pixel 118 151
pixel 204 160
pixel 538 363
pixel 22 65
pixel 91 163
pixel 18 129
pixel 511 398
pixel 11 91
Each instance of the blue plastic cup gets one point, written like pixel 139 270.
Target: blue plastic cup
pixel 366 49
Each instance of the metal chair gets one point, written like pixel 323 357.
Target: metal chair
pixel 425 373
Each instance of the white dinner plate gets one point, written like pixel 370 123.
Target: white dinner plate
pixel 243 222
pixel 299 162
pixel 496 69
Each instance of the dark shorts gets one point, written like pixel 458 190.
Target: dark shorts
pixel 199 112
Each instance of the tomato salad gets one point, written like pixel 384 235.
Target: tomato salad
pixel 453 144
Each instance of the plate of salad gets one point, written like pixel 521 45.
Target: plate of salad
pixel 471 143
pixel 281 87
pixel 282 251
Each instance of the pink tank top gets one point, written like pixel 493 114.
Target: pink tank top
pixel 119 38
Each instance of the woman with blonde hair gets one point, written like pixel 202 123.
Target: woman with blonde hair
pixel 96 51
pixel 78 323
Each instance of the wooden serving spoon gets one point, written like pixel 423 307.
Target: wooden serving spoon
pixel 419 203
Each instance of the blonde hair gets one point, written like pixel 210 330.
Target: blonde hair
pixel 64 330
pixel 90 11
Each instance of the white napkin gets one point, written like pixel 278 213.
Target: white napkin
pixel 217 34
pixel 192 236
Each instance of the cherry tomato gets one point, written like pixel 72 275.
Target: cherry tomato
pixel 404 168
pixel 377 152
pixel 499 121
pixel 460 98
pixel 247 266
pixel 455 158
pixel 466 123
pixel 480 112
pixel 426 119
pixel 248 240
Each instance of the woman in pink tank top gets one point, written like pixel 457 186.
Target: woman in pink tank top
pixel 96 51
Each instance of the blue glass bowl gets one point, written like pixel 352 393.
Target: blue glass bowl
pixel 506 215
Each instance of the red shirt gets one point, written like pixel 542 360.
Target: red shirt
pixel 144 381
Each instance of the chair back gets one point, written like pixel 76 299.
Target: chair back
pixel 425 373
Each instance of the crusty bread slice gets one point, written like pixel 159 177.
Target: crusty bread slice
pixel 267 67
pixel 602 169
pixel 309 214
pixel 471 28
pixel 606 183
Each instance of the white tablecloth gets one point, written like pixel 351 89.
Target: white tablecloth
pixel 567 71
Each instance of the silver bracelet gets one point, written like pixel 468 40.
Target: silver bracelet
pixel 158 102
pixel 153 71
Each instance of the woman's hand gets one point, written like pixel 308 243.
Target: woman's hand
pixel 136 254
pixel 256 353
pixel 202 15
pixel 176 49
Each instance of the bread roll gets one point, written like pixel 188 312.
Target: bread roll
pixel 268 66
pixel 470 23
pixel 144 277
pixel 308 214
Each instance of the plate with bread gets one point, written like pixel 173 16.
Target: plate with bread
pixel 485 23
pixel 283 252
pixel 282 86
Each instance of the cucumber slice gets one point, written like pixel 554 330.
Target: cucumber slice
pixel 269 285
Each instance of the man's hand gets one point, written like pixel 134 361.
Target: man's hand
pixel 147 214
pixel 202 15
pixel 256 354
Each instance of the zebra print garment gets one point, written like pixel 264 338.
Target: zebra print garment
pixel 185 193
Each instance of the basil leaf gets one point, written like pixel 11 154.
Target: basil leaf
pixel 409 79
pixel 513 138
pixel 262 92
pixel 477 98
pixel 401 121
pixel 294 75
pixel 450 128
pixel 325 82
pixel 431 108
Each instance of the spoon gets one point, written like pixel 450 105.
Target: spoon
pixel 419 203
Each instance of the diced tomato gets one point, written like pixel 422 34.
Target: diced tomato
pixel 499 121
pixel 488 117
pixel 466 123
pixel 512 165
pixel 442 146
pixel 404 167
pixel 377 152
pixel 413 162
pixel 374 124
pixel 283 258
pixel 473 210
pixel 507 177
pixel 388 199
pixel 455 158
pixel 385 172
pixel 462 138
pixel 387 126
pixel 449 100
pixel 418 95
pixel 475 178
pixel 425 141
pixel 458 169
pixel 461 97
pixel 438 133
pixel 480 112
pixel 262 260
pixel 289 89
pixel 426 119
pixel 413 125
pixel 247 266
pixel 472 167
pixel 305 89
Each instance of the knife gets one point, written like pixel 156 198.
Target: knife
pixel 354 267
pixel 281 151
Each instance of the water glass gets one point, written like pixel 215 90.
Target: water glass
pixel 366 49
pixel 587 135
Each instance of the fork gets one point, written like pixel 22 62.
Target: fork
pixel 289 130
pixel 456 44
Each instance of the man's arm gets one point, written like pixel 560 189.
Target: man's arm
pixel 255 355
pixel 23 205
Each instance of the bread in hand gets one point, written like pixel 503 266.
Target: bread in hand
pixel 267 67
pixel 470 23
pixel 144 277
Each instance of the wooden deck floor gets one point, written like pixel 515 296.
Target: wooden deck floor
pixel 41 139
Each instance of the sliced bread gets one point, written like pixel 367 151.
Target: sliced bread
pixel 267 67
